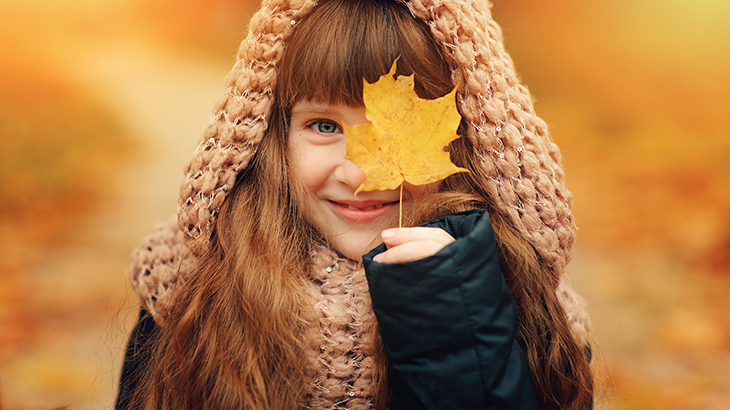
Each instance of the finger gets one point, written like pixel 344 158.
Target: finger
pixel 398 236
pixel 410 251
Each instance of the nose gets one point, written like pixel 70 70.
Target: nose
pixel 349 174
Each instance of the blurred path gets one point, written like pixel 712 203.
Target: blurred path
pixel 164 101
pixel 659 330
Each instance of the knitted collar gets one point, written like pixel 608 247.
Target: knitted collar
pixel 160 264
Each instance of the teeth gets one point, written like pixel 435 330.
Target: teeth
pixel 364 209
pixel 372 207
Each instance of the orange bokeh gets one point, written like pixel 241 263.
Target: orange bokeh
pixel 102 102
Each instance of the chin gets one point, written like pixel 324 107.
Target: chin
pixel 355 251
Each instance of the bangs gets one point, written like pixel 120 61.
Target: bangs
pixel 343 42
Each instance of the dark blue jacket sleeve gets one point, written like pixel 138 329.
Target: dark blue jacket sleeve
pixel 448 324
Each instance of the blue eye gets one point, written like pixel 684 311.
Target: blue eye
pixel 326 127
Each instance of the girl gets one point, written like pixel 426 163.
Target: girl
pixel 259 296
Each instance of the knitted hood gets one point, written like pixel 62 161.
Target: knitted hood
pixel 522 164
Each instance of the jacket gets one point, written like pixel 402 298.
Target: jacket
pixel 516 157
pixel 448 324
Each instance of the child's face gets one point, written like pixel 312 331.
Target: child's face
pixel 317 148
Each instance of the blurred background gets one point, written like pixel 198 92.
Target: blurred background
pixel 102 102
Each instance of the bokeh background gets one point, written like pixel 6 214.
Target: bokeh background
pixel 102 101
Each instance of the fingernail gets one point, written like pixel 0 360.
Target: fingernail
pixel 378 258
pixel 388 234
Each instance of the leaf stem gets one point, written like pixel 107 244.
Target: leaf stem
pixel 400 208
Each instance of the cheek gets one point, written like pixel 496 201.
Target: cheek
pixel 298 164
pixel 306 164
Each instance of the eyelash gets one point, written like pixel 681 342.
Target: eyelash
pixel 313 123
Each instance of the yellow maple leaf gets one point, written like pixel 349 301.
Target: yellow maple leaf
pixel 405 137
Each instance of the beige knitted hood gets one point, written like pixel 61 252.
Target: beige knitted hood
pixel 525 177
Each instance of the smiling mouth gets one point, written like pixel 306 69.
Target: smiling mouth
pixel 362 211
pixel 369 208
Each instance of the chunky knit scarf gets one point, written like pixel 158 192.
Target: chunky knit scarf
pixel 340 348
pixel 518 158
pixel 338 289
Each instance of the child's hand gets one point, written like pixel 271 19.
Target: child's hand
pixel 410 244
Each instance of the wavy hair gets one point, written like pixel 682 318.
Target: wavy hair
pixel 235 337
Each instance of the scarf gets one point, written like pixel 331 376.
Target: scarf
pixel 520 162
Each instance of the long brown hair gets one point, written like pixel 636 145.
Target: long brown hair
pixel 235 338
pixel 560 368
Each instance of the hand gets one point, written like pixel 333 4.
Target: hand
pixel 410 244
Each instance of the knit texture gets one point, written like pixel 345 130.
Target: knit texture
pixel 156 268
pixel 157 271
pixel 342 347
pixel 519 161
pixel 517 156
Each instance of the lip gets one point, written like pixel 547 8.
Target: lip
pixel 362 211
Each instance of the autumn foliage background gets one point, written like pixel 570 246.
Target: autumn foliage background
pixel 102 101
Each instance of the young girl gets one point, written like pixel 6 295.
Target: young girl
pixel 259 296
